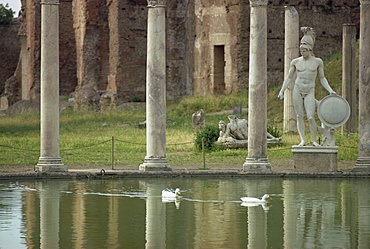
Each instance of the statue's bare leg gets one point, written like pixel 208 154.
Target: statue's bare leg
pixel 310 104
pixel 300 127
pixel 298 107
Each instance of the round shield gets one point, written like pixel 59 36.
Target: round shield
pixel 333 110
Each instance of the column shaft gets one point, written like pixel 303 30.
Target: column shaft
pixel 363 159
pixel 257 118
pixel 156 89
pixel 349 75
pixel 49 152
pixel 291 52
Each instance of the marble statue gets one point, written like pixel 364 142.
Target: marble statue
pixel 307 67
pixel 198 119
pixel 237 129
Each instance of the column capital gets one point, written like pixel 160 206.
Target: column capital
pixel 49 2
pixel 156 3
pixel 258 3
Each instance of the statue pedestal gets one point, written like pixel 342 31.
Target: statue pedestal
pixel 315 158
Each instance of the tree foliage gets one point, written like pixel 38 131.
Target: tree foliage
pixel 6 14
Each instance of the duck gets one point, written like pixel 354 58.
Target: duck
pixel 264 205
pixel 169 193
pixel 256 200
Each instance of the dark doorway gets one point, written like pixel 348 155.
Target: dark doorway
pixel 219 69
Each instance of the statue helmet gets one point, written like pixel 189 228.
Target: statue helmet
pixel 308 39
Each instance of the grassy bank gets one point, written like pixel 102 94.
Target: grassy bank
pixel 86 137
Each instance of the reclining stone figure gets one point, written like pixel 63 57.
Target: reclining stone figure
pixel 237 129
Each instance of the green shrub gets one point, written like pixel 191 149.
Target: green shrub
pixel 273 130
pixel 210 134
pixel 6 14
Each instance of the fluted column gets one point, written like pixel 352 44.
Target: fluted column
pixel 363 159
pixel 155 158
pixel 49 152
pixel 291 45
pixel 349 75
pixel 257 117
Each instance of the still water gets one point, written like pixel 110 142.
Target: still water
pixel 130 213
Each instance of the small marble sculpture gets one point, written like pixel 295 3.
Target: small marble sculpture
pixel 307 67
pixel 236 130
pixel 198 119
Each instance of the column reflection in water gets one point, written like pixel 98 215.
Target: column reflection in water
pixel 31 216
pixel 212 219
pixel 363 214
pixel 49 214
pixel 113 220
pixel 257 215
pixel 347 213
pixel 79 215
pixel 311 214
pixel 305 213
pixel 155 219
pixel 257 227
pixel 290 215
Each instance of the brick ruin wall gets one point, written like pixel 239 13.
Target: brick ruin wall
pixel 111 53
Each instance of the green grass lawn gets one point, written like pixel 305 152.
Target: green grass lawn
pixel 86 137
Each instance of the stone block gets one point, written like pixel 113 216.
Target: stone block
pixel 315 158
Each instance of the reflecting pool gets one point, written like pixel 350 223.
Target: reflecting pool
pixel 130 213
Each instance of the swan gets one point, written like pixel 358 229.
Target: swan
pixel 169 193
pixel 256 200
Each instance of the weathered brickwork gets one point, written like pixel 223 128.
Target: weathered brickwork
pixel 103 46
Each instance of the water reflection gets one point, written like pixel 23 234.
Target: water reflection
pixel 131 213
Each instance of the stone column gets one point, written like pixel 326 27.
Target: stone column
pixel 349 75
pixel 291 52
pixel 257 117
pixel 49 152
pixel 155 158
pixel 363 159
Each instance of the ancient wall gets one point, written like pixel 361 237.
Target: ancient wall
pixel 67 49
pixel 9 52
pixel 180 47
pixel 216 33
pixel 227 23
pixel 103 45
pixel 131 67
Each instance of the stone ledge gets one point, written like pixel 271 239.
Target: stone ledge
pixel 94 173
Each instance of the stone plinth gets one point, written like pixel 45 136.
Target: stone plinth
pixel 51 164
pixel 155 164
pixel 256 165
pixel 315 158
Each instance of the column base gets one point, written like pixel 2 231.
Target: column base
pixel 155 164
pixel 362 165
pixel 50 164
pixel 315 158
pixel 256 164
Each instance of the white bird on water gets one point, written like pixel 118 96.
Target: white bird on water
pixel 256 200
pixel 169 193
